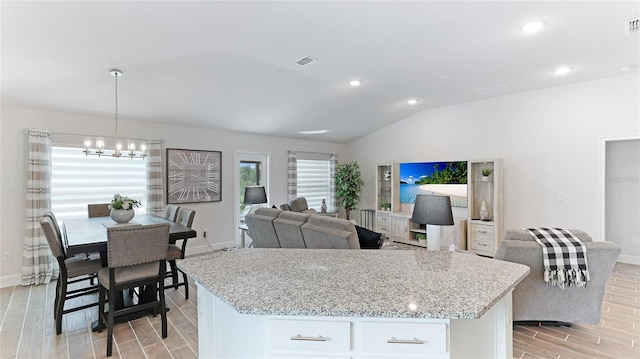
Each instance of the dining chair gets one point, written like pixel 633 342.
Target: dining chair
pixel 72 270
pixel 171 212
pixel 98 210
pixel 184 216
pixel 136 258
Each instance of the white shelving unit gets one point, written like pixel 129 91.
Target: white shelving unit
pixel 484 235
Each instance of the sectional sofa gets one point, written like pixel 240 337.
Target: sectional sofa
pixel 274 228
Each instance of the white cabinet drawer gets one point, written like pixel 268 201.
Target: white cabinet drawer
pixel 312 335
pixel 404 337
pixel 482 231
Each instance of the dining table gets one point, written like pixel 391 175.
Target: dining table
pixel 89 235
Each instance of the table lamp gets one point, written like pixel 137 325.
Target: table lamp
pixel 255 195
pixel 434 211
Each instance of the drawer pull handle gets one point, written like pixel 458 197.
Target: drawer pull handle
pixel 482 231
pixel 482 244
pixel 319 338
pixel 405 341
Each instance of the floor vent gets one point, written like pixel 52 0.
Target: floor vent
pixel 634 26
pixel 305 61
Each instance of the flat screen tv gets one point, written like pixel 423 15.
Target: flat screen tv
pixel 440 178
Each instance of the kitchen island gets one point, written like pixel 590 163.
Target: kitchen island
pixel 287 303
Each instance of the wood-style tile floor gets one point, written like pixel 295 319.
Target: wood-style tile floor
pixel 27 329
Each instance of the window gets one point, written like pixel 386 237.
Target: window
pixel 78 180
pixel 314 181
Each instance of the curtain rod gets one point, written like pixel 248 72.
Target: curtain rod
pixel 315 153
pixel 26 132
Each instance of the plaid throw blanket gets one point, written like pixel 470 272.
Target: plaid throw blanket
pixel 564 256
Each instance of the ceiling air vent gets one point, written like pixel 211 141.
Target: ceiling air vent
pixel 305 61
pixel 634 26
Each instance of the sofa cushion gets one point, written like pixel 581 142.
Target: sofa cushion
pixel 289 233
pixel 295 216
pixel 336 223
pixel 523 235
pixel 319 237
pixel 269 212
pixel 369 239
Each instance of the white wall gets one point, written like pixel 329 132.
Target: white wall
pixel 216 217
pixel 549 140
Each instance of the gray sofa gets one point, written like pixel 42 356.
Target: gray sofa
pixel 274 228
pixel 534 301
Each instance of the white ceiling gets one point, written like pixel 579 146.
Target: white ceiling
pixel 231 65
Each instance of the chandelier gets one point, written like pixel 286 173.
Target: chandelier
pixel 117 152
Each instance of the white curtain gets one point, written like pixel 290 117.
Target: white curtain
pixel 292 175
pixel 38 265
pixel 155 187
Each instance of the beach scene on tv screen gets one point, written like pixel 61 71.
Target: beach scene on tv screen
pixel 439 178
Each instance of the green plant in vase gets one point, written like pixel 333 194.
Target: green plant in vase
pixel 486 172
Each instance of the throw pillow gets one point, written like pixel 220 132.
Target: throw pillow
pixel 369 239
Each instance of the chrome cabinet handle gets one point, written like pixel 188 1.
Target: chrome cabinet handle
pixel 482 231
pixel 319 338
pixel 405 341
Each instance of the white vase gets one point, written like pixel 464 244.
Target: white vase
pixel 484 211
pixel 122 215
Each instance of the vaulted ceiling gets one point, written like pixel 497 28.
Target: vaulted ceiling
pixel 232 65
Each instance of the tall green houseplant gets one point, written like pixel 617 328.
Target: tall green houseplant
pixel 348 185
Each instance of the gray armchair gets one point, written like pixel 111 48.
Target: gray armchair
pixel 534 301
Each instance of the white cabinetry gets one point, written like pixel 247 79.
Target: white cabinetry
pixel 225 333
pixel 485 233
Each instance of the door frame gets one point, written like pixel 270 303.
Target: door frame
pixel 239 156
pixel 602 182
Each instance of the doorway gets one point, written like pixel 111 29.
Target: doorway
pixel 251 169
pixel 621 196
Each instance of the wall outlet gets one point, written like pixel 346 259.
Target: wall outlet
pixel 6 257
pixel 561 196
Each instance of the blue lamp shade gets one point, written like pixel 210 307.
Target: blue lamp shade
pixel 255 195
pixel 434 210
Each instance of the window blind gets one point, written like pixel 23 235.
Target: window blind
pixel 78 180
pixel 313 181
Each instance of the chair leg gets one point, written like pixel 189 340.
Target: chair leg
pixel 186 285
pixel 110 328
pixel 174 273
pixel 62 295
pixel 56 299
pixel 163 308
pixel 101 294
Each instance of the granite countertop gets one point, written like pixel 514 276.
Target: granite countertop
pixel 355 283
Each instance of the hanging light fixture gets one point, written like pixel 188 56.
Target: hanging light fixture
pixel 117 152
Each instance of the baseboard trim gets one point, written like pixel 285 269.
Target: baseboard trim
pixel 206 249
pixel 10 280
pixel 623 258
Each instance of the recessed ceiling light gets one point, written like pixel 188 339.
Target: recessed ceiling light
pixel 314 132
pixel 562 70
pixel 412 101
pixel 533 26
pixel 354 83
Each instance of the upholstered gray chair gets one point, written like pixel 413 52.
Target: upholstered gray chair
pixel 534 301
pixel 171 212
pixel 261 230
pixel 184 216
pixel 72 270
pixel 98 210
pixel 136 257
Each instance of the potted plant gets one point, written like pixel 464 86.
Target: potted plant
pixel 486 172
pixel 421 237
pixel 348 185
pixel 122 208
